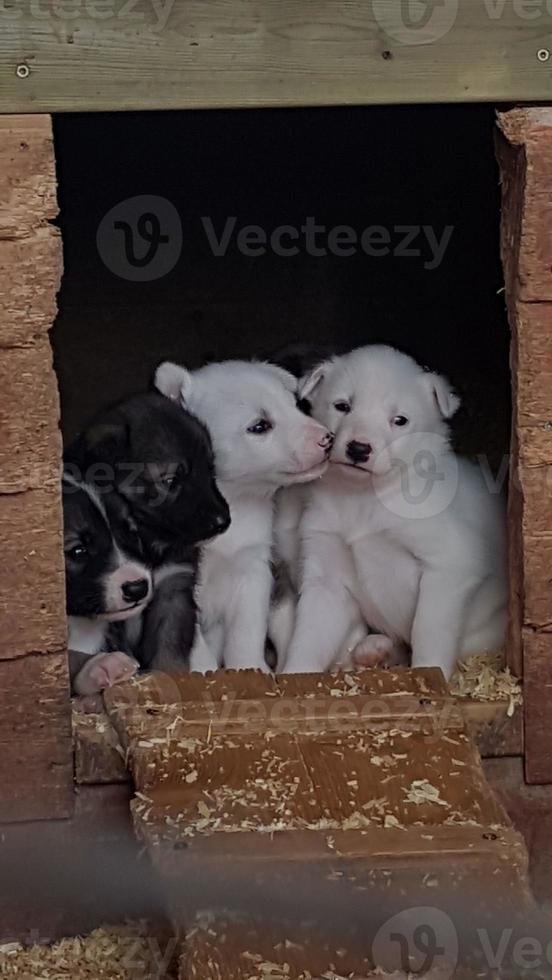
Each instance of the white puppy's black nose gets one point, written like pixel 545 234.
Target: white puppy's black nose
pixel 135 591
pixel 358 452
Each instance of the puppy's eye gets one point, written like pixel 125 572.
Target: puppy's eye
pixel 342 406
pixel 78 553
pixel 260 427
pixel 169 481
pixel 400 420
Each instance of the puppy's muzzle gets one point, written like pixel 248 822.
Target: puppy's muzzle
pixel 358 452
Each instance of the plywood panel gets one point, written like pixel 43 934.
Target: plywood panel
pixel 204 53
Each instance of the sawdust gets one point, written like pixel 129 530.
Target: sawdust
pixel 484 677
pixel 421 791
pixel 109 953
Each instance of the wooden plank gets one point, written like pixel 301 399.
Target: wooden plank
pixel 30 246
pixel 98 754
pixel 530 130
pixel 226 950
pixel 30 447
pixel 36 760
pixel 248 795
pixel 525 155
pixel 537 695
pixel 496 733
pixel 32 587
pixel 36 763
pixel 209 53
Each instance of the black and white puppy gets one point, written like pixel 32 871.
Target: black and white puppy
pixel 160 460
pixel 106 583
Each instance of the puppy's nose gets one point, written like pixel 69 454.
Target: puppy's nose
pixel 221 522
pixel 136 590
pixel 327 441
pixel 358 452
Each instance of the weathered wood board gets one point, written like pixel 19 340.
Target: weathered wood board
pixel 525 157
pixel 335 798
pixel 117 55
pixel 99 758
pixel 35 729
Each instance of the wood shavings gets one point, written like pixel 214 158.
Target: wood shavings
pixel 484 677
pixel 421 791
pixel 109 953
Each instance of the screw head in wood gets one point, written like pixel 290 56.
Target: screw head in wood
pixel 543 54
pixel 22 70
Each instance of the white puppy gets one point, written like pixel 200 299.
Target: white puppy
pixel 400 532
pixel 261 441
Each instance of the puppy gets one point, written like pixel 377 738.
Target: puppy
pixel 159 459
pixel 262 441
pixel 106 583
pixel 400 533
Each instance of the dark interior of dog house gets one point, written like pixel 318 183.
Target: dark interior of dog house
pixel 422 181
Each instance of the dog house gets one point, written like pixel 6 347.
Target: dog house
pixel 322 90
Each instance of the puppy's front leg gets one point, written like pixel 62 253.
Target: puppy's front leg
pixel 437 628
pixel 326 610
pixel 202 658
pixel 246 619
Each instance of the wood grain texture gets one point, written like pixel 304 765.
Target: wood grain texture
pixel 495 733
pixel 207 53
pixel 30 444
pixel 525 155
pixel 36 765
pixel 36 760
pixel 537 695
pixel 98 754
pixel 271 807
pixel 32 586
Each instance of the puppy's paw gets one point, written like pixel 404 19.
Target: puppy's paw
pixel 103 670
pixel 377 650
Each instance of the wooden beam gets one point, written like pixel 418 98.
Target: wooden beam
pixel 139 54
pixel 36 763
pixel 525 155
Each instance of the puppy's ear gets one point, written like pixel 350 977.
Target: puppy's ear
pixel 173 381
pixel 311 380
pixel 441 391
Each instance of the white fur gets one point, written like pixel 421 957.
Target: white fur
pixel 235 579
pixel 412 541
pixel 87 635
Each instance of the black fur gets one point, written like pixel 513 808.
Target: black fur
pixel 90 539
pixel 160 459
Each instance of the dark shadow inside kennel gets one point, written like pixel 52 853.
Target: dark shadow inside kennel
pixel 394 169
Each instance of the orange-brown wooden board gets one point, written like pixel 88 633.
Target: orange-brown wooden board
pixel 249 807
pixel 36 760
pixel 537 698
pixel 223 950
pixel 530 130
pixel 525 157
pixel 99 757
pixel 35 733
